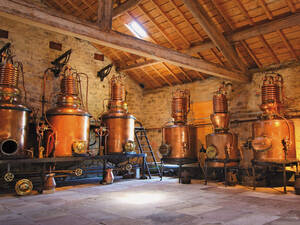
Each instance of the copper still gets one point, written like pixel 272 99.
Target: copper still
pixel 273 135
pixel 118 122
pixel 221 145
pixel 13 113
pixel 179 140
pixel 68 121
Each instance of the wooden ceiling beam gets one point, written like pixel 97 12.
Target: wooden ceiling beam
pixel 125 7
pixel 138 65
pixel 55 21
pixel 104 18
pixel 265 28
pixel 216 36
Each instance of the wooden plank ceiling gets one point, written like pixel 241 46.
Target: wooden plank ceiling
pixel 169 23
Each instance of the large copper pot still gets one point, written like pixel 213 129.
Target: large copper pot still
pixel 68 121
pixel 179 140
pixel 118 122
pixel 14 115
pixel 221 145
pixel 273 135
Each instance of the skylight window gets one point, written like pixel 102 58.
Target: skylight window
pixel 137 29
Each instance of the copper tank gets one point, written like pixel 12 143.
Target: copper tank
pixel 179 140
pixel 68 121
pixel 14 115
pixel 273 135
pixel 119 123
pixel 221 145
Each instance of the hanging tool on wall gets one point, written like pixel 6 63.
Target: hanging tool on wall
pixel 60 62
pixel 104 72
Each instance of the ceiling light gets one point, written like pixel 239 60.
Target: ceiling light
pixel 137 29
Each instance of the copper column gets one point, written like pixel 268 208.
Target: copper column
pixel 221 145
pixel 273 135
pixel 179 140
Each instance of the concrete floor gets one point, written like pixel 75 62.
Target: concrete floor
pixel 137 202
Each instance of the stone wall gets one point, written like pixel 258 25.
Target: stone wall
pixel 31 47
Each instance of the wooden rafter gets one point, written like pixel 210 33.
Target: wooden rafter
pixel 78 9
pixel 172 73
pixel 130 57
pixel 61 6
pixel 138 65
pixel 253 56
pixel 241 56
pixel 291 6
pixel 153 40
pixel 151 78
pixel 89 6
pixel 266 9
pixel 221 12
pixel 216 56
pixel 185 74
pixel 244 11
pixel 159 74
pixel 268 48
pixel 171 23
pixel 147 74
pixel 125 7
pixel 186 20
pixel 265 28
pixel 200 75
pixel 216 36
pixel 287 44
pixel 157 26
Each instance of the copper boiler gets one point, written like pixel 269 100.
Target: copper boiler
pixel 221 145
pixel 273 136
pixel 179 140
pixel 68 121
pixel 14 115
pixel 118 122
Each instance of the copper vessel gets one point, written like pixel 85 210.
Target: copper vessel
pixel 68 121
pixel 179 140
pixel 273 136
pixel 119 123
pixel 221 145
pixel 14 115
